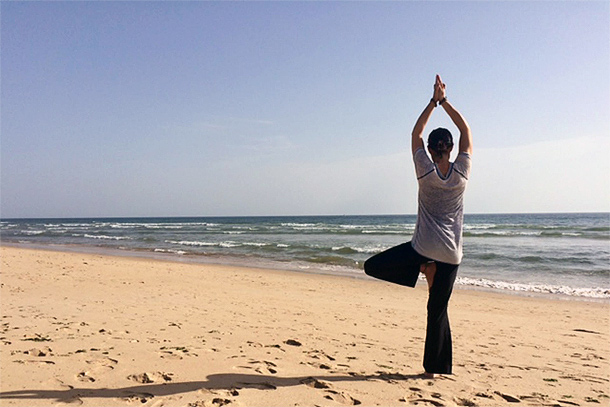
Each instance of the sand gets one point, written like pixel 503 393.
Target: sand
pixel 95 330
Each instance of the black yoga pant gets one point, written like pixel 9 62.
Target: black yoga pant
pixel 401 265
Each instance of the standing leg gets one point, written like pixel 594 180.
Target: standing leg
pixel 438 349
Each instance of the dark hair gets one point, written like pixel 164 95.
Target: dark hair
pixel 440 141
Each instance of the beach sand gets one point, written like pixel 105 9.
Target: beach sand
pixel 96 330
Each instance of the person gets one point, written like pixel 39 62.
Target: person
pixel 436 246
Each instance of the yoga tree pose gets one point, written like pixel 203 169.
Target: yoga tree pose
pixel 436 247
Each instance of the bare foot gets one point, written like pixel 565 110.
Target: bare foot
pixel 429 375
pixel 428 270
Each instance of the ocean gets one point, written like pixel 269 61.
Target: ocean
pixel 567 254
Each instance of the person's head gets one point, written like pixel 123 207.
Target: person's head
pixel 440 144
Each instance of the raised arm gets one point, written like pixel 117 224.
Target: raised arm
pixel 465 134
pixel 462 125
pixel 417 138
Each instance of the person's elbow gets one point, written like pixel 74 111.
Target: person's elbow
pixel 466 141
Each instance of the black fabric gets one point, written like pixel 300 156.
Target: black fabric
pixel 400 265
pixel 438 354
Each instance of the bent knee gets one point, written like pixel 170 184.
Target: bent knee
pixel 370 266
pixel 367 266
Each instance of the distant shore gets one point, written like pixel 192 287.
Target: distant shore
pixel 90 329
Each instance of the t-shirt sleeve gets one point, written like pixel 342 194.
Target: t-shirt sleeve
pixel 462 164
pixel 423 163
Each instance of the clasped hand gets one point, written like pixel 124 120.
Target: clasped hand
pixel 439 89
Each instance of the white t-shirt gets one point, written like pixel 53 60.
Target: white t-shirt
pixel 440 214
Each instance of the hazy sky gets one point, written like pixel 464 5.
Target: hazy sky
pixel 297 108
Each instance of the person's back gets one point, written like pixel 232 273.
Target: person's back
pixel 440 214
pixel 436 247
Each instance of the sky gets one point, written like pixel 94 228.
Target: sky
pixel 297 108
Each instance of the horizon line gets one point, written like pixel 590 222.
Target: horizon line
pixel 294 216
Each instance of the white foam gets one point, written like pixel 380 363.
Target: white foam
pixel 172 225
pixel 368 249
pixel 227 244
pixel 107 237
pixel 536 288
pixel 123 225
pixel 181 252
pixel 191 243
pixel 476 226
pixel 474 232
pixel 386 232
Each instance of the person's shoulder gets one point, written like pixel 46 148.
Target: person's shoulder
pixel 462 164
pixel 463 157
pixel 423 163
pixel 420 156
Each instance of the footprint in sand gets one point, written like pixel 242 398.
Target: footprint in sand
pixel 318 354
pixel 420 397
pixel 85 377
pixel 464 402
pixel 219 398
pixel 168 354
pixel 97 367
pixel 138 398
pixel 508 397
pixel 315 383
pixel 154 377
pixel 427 402
pixel 292 342
pixel 39 352
pixel 104 362
pixel 258 385
pixel 341 397
pixel 174 352
pixel 71 401
pixel 222 393
pixel 216 402
pixel 56 384
pixel 262 367
pixel 322 366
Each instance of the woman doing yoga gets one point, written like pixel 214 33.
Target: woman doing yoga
pixel 436 246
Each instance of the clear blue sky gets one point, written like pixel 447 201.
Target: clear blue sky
pixel 288 108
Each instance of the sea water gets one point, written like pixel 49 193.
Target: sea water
pixel 548 253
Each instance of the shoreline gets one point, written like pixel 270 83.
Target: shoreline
pixel 234 261
pixel 91 329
